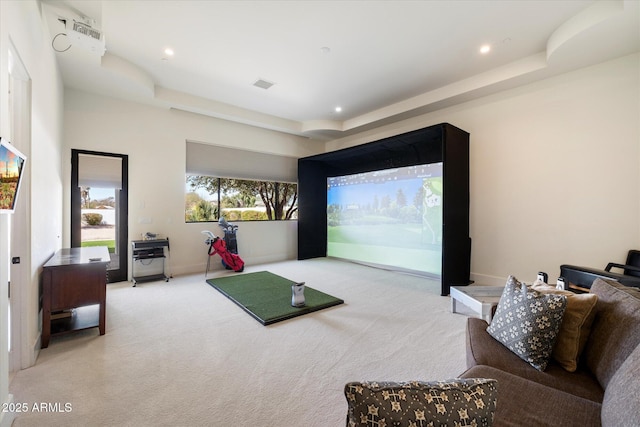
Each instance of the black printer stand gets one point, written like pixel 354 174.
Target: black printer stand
pixel 147 251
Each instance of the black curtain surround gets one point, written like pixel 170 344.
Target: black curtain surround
pixel 439 143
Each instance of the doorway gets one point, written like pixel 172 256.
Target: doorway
pixel 21 293
pixel 99 206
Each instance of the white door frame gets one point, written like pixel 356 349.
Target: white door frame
pixel 20 356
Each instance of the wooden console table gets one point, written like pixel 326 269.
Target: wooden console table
pixel 74 288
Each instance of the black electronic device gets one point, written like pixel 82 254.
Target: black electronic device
pixel 561 284
pixel 143 254
pixel 148 253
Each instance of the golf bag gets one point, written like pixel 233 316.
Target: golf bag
pixel 230 231
pixel 230 260
pixel 230 240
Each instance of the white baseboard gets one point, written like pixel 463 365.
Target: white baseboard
pixel 35 351
pixel 485 279
pixel 216 264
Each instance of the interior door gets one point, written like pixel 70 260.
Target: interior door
pixel 99 206
pixel 18 233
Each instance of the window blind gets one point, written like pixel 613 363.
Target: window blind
pixel 226 162
pixel 99 171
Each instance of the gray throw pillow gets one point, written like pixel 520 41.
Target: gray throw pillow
pixel 463 402
pixel 527 322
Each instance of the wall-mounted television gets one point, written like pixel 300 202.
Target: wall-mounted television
pixel 12 163
pixel 390 217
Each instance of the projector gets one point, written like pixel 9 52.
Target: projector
pixel 82 34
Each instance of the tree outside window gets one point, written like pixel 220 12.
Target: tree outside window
pixel 209 198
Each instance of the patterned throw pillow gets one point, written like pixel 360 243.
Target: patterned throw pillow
pixel 576 325
pixel 527 322
pixel 461 402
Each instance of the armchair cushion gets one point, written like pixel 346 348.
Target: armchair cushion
pixel 469 401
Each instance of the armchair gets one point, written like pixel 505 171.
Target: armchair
pixel 631 267
pixel 580 278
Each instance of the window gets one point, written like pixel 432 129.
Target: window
pixel 209 198
pixel 239 185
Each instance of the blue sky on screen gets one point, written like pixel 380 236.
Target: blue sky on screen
pixel 364 193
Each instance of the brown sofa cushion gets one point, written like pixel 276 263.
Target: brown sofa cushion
pixel 482 349
pixel 575 327
pixel 616 329
pixel 441 403
pixel 620 406
pixel 525 403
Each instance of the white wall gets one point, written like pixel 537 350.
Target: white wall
pixel 554 171
pixel 22 26
pixel 154 139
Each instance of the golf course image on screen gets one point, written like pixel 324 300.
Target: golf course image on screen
pixel 390 217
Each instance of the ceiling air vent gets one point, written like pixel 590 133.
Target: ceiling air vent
pixel 263 84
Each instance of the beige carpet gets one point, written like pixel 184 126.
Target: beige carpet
pixel 181 354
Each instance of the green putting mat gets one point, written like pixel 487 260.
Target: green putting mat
pixel 267 296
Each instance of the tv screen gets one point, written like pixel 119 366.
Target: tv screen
pixel 390 217
pixel 12 164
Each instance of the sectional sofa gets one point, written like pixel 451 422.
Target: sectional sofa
pixel 604 388
pixel 592 377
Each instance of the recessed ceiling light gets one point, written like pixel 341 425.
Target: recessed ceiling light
pixel 168 51
pixel 338 109
pixel 484 49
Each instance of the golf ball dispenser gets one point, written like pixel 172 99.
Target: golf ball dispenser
pixel 297 295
